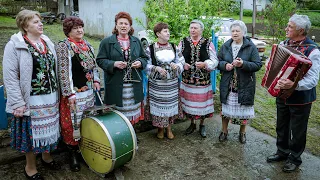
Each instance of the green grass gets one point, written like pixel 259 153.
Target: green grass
pixel 6 21
pixel 245 19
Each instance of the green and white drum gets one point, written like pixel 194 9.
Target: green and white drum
pixel 107 141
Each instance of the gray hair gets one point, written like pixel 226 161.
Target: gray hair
pixel 302 22
pixel 198 22
pixel 241 24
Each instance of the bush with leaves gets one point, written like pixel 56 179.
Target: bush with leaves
pixel 275 17
pixel 179 13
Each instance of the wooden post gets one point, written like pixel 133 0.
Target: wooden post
pixel 254 18
pixel 241 10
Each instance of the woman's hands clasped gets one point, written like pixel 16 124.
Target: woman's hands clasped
pixel 238 62
pixel 19 111
pixel 122 64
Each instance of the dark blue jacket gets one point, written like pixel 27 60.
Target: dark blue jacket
pixel 307 96
pixel 246 74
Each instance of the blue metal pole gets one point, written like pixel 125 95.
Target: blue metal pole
pixel 3 115
pixel 213 74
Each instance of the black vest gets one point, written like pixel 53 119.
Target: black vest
pixel 192 54
pixel 307 96
pixel 187 51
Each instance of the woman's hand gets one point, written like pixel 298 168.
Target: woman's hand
pixel 19 111
pixel 120 64
pixel 162 71
pixel 72 103
pixel 186 66
pixel 238 62
pixel 229 67
pixel 136 64
pixel 173 65
pixel 96 86
pixel 200 65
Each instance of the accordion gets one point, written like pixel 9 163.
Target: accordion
pixel 285 63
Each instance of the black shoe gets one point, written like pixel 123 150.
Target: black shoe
pixel 191 128
pixel 223 137
pixel 289 167
pixel 73 158
pixel 202 130
pixel 242 138
pixel 36 176
pixel 276 158
pixel 53 165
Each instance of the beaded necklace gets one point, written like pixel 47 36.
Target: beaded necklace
pixel 44 51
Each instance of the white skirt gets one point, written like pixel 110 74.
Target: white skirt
pixel 235 110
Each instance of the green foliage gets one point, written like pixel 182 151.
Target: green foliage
pixel 234 7
pixel 179 13
pixel 247 12
pixel 276 16
pixel 313 5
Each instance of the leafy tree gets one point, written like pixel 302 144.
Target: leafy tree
pixel 179 13
pixel 276 16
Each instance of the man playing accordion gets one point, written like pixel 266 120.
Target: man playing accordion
pixel 293 112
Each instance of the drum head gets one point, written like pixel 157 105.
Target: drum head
pixel 95 146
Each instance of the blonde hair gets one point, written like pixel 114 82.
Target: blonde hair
pixel 23 17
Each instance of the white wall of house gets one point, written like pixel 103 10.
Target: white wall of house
pixel 261 4
pixel 98 15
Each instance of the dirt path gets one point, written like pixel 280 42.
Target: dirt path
pixel 191 157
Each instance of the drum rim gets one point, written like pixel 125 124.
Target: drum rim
pixel 135 144
pixel 111 144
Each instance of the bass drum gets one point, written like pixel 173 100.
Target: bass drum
pixel 107 141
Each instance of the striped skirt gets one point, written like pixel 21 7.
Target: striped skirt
pixel 239 114
pixel 131 110
pixel 197 100
pixel 163 105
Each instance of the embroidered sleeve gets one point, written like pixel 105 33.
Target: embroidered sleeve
pixel 149 65
pixel 96 75
pixel 64 69
pixel 179 60
pixel 211 63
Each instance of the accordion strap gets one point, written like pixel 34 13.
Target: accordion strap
pixel 300 45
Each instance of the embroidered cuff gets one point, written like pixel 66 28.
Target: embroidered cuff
pixel 72 96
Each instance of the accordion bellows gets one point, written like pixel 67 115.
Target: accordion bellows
pixel 285 63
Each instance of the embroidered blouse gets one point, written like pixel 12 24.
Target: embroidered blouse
pixel 77 67
pixel 164 56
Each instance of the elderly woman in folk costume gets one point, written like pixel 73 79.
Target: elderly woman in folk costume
pixel 163 69
pixel 122 58
pixel 238 61
pixel 29 73
pixel 196 90
pixel 79 77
